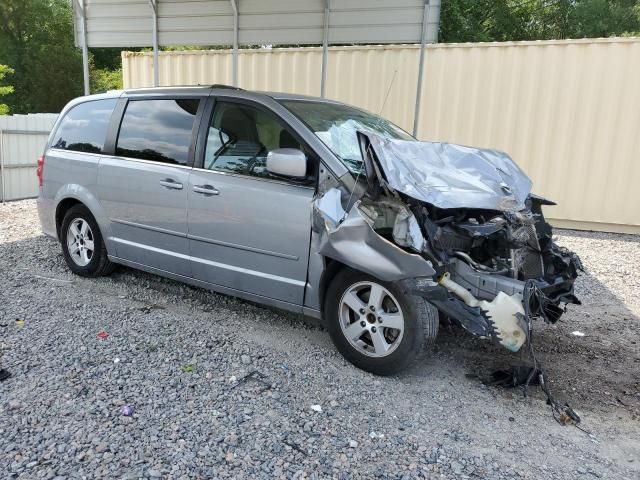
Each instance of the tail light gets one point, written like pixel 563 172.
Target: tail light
pixel 40 170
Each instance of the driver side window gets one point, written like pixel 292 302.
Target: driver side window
pixel 240 137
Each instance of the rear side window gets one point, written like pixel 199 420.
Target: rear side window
pixel 157 130
pixel 84 127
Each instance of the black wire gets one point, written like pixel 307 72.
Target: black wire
pixel 532 295
pixel 528 293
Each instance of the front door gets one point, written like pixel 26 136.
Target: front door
pixel 248 230
pixel 143 188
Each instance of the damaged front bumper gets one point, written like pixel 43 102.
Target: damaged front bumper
pixel 506 318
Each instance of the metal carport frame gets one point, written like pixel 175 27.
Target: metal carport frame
pixel 121 23
pixel 85 49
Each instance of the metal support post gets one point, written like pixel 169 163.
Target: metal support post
pixel 234 7
pixel 325 44
pixel 85 49
pixel 156 62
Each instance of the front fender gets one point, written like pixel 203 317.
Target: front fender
pixel 351 240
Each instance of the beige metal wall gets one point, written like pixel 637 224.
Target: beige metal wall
pixel 567 111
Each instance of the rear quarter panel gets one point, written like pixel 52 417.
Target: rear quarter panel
pixel 69 174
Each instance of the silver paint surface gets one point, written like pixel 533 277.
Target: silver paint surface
pixel 148 220
pixel 353 242
pixel 253 236
pixel 452 176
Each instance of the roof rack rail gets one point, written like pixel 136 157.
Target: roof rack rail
pixel 222 85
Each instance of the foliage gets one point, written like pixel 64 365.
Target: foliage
pixel 5 89
pixel 103 79
pixel 504 20
pixel 107 58
pixel 36 39
pixel 603 18
pixel 188 368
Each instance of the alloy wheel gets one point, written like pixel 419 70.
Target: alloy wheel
pixel 371 319
pixel 80 242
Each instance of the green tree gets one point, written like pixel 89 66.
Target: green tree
pixel 104 58
pixel 5 89
pixel 36 39
pixel 103 79
pixel 503 20
pixel 604 18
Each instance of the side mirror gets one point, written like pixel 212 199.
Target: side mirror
pixel 288 162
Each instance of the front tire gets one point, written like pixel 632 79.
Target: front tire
pixel 82 244
pixel 375 325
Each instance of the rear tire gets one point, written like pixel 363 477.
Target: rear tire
pixel 361 313
pixel 82 244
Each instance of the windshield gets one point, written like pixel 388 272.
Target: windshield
pixel 336 125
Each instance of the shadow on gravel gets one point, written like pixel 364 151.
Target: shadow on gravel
pixel 620 237
pixel 600 371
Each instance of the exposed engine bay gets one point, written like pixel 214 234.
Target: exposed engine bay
pixel 457 226
pixel 505 268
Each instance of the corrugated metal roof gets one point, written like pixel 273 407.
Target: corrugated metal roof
pixel 124 23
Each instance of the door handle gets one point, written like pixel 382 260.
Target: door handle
pixel 171 183
pixel 206 189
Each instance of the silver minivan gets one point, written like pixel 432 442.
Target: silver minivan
pixel 308 205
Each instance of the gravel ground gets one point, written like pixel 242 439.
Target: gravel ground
pixel 226 389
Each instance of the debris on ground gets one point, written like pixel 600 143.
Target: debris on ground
pixel 127 410
pixel 102 335
pixel 150 308
pixel 577 333
pixel 60 280
pixel 525 376
pixel 517 376
pixel 295 446
pixel 253 375
pixel 4 374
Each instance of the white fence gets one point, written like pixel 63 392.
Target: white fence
pixel 22 141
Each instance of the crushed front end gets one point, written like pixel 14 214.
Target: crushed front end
pixel 499 269
pixel 457 226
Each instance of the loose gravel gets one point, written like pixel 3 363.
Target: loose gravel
pixel 221 388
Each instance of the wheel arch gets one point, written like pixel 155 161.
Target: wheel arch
pixel 332 268
pixel 73 194
pixel 61 210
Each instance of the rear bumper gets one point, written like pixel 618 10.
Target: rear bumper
pixel 47 215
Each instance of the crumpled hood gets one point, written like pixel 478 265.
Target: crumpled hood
pixel 452 176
